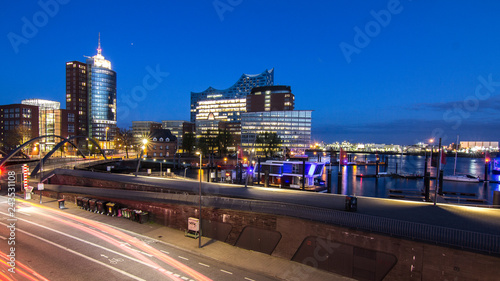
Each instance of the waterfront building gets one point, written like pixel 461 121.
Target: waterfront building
pixel 239 90
pixel 270 98
pixel 101 89
pixel 228 110
pixel 479 145
pixel 292 127
pixel 162 144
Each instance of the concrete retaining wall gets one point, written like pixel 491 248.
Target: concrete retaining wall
pixel 415 260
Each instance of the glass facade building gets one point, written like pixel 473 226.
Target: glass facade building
pixel 292 127
pixel 239 90
pixel 49 119
pixel 101 88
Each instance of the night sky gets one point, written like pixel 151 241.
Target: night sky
pixel 373 71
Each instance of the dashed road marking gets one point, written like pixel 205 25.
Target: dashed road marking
pixel 206 265
pixel 165 252
pixel 225 271
pixel 181 257
pixel 249 279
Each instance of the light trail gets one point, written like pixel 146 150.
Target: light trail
pixel 25 271
pixel 140 258
pixel 127 238
pixel 79 254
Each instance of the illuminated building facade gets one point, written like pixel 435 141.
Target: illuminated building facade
pixel 52 120
pixel 101 89
pixel 228 110
pixel 91 98
pixel 292 127
pixel 239 90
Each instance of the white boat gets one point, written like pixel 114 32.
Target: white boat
pixel 462 178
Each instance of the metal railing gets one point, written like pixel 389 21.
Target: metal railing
pixel 474 241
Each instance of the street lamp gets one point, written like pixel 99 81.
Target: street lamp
pixel 144 142
pixel 199 220
pixel 106 138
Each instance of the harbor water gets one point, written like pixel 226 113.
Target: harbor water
pixel 392 187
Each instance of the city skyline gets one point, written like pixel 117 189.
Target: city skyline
pixel 386 72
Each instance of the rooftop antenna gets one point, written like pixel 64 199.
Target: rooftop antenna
pixel 99 46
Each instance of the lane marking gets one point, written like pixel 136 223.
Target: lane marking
pixel 135 250
pixel 3 238
pixel 181 257
pixel 89 243
pixel 165 252
pixel 249 279
pixel 225 271
pixel 79 254
pixel 206 265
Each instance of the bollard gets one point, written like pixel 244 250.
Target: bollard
pixel 427 184
pixel 339 183
pixel 440 189
pixel 329 180
pixel 486 171
pixel 61 203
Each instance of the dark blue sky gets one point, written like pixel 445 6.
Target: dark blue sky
pixel 428 70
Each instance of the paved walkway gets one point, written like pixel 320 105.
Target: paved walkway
pixel 211 249
pixel 476 219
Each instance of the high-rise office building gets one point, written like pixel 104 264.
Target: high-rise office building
pixel 91 96
pixel 76 95
pixel 239 90
pixel 101 88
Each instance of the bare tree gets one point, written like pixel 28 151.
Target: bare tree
pixel 125 139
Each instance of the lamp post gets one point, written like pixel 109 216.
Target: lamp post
pixel 106 139
pixel 199 220
pixel 144 141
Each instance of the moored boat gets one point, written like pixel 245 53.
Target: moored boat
pixel 462 178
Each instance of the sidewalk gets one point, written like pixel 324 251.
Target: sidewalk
pixel 212 249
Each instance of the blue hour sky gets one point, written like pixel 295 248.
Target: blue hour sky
pixel 373 71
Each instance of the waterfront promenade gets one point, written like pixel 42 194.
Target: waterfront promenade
pixel 474 219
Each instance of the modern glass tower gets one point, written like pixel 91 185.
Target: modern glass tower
pixel 101 89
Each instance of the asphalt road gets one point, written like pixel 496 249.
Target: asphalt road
pixel 57 245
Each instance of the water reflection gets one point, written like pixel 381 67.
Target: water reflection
pixel 407 164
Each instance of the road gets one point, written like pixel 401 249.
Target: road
pixel 51 244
